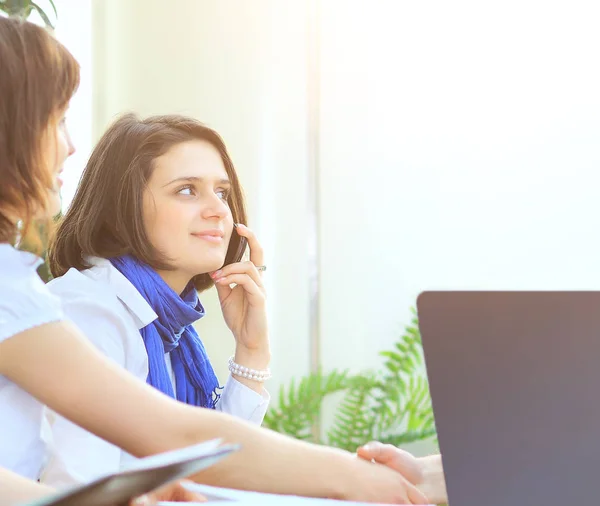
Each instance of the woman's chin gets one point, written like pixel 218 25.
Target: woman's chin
pixel 208 267
pixel 54 204
pixel 54 208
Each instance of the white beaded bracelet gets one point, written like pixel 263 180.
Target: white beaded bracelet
pixel 251 374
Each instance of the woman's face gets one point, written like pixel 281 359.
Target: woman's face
pixel 186 214
pixel 59 149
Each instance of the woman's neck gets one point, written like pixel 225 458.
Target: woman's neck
pixel 177 280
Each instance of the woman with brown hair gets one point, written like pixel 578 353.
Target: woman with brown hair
pixel 158 217
pixel 45 359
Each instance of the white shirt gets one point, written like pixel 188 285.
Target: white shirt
pixel 110 311
pixel 25 302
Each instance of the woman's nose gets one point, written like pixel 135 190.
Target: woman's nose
pixel 216 207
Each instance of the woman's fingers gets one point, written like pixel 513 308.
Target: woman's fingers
pixel 257 256
pixel 415 496
pixel 243 280
pixel 177 492
pixel 244 274
pixel 239 268
pixel 395 458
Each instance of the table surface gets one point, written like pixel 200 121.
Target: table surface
pixel 222 497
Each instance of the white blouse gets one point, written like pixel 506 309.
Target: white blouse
pixel 110 311
pixel 25 302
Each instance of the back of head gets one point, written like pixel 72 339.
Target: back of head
pixel 105 218
pixel 38 76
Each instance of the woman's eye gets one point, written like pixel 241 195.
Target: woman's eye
pixel 186 190
pixel 223 194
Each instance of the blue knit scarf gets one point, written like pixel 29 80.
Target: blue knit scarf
pixel 172 332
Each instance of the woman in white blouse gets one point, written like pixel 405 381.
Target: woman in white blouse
pixel 45 359
pixel 151 224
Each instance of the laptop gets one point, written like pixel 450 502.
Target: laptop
pixel 515 385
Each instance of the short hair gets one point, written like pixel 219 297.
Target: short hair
pixel 38 78
pixel 105 218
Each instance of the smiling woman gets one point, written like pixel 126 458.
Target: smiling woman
pixel 151 224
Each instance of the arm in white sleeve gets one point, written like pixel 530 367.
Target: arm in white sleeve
pixel 239 400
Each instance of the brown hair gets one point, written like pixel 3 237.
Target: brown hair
pixel 39 77
pixel 105 217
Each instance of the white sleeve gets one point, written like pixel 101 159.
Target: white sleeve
pixel 26 303
pixel 78 456
pixel 239 400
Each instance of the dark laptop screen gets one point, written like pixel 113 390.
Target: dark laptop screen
pixel 515 383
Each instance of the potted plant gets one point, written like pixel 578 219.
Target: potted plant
pixel 391 405
pixel 23 8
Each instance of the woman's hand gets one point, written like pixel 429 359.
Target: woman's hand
pixel 395 458
pixel 244 307
pixel 426 473
pixel 176 492
pixel 372 482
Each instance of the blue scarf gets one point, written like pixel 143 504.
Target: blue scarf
pixel 172 332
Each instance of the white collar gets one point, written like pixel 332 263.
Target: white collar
pixel 103 270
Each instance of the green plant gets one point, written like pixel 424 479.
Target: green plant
pixel 44 269
pixel 27 244
pixel 23 8
pixel 392 405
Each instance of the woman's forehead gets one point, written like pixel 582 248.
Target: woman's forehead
pixel 192 159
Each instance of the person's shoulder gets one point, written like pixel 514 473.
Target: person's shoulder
pixel 16 265
pixel 18 274
pixel 25 300
pixel 72 281
pixel 75 284
pixel 88 294
pixel 90 299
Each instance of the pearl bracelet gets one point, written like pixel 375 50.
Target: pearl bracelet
pixel 246 372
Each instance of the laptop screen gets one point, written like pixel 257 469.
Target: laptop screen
pixel 515 385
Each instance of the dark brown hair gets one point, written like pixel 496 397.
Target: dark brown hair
pixel 105 218
pixel 38 78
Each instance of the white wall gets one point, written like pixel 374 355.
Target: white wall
pixel 73 27
pixel 74 30
pixel 460 149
